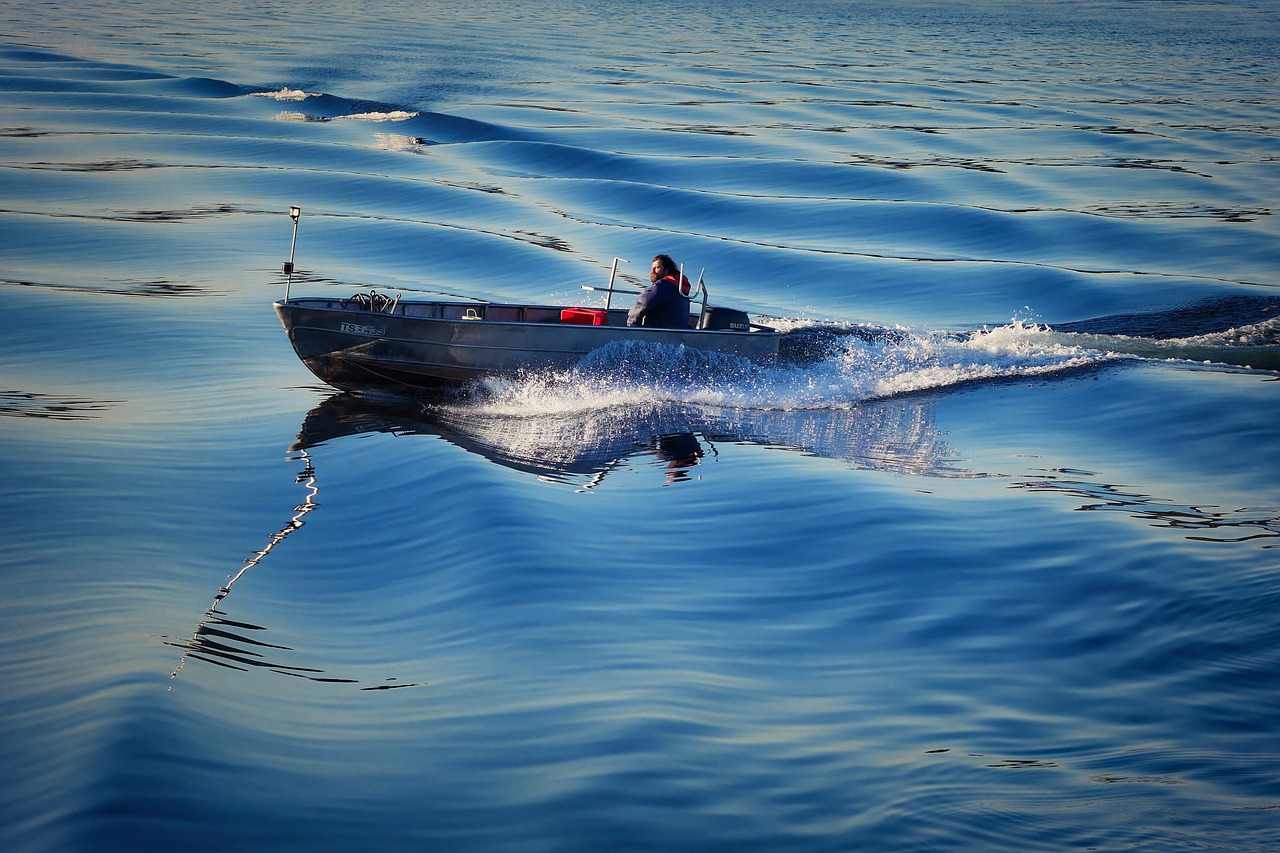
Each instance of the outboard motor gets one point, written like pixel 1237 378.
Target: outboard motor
pixel 731 319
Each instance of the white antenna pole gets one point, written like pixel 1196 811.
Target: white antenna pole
pixel 294 213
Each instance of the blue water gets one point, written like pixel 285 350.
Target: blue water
pixel 988 562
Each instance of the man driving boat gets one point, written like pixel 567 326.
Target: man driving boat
pixel 664 304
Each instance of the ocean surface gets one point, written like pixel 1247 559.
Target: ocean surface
pixel 992 564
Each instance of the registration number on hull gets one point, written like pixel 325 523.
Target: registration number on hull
pixel 359 329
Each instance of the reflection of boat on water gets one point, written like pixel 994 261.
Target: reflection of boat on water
pixel 581 446
pixel 237 645
pixel 224 642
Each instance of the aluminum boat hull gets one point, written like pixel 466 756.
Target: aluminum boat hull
pixel 420 345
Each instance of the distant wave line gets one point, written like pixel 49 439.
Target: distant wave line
pixel 807 249
pixel 160 288
pixel 907 258
pixel 553 243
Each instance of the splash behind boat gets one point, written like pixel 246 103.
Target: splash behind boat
pixel 374 342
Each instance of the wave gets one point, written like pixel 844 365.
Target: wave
pixel 35 404
pixel 325 107
pixel 1205 317
pixel 436 127
pixel 1239 330
pixel 285 94
pixel 395 115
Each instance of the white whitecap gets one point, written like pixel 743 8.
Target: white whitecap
pixel 285 94
pixel 290 115
pixel 394 115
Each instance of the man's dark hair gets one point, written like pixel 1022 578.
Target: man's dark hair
pixel 669 267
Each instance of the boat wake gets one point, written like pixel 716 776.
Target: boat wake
pixel 1242 331
pixel 857 393
pixel 824 367
pixel 834 366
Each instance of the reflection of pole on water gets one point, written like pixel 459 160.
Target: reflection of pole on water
pixel 308 478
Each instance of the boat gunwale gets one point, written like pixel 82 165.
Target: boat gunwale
pixel 334 305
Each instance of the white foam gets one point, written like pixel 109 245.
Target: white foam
pixel 285 94
pixel 857 369
pixel 1264 334
pixel 396 142
pixel 394 115
pixel 1254 346
pixel 913 361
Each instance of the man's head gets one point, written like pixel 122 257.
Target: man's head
pixel 662 267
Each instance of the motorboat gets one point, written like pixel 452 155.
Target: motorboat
pixel 376 342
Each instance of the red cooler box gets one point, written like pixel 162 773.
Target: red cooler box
pixel 583 316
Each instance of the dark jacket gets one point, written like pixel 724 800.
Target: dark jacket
pixel 661 306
